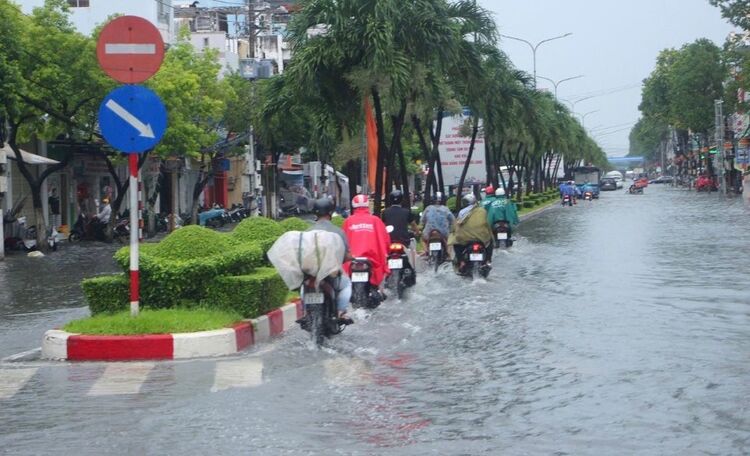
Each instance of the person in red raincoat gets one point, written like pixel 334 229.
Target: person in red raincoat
pixel 367 238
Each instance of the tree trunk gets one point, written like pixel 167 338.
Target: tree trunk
pixel 382 151
pixel 435 137
pixel 430 184
pixel 474 131
pixel 35 184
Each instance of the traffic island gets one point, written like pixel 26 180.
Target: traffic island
pixel 63 345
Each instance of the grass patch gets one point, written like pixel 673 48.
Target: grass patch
pixel 161 321
pixel 526 210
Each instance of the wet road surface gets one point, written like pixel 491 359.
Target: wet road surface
pixel 619 326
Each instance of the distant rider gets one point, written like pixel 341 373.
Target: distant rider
pixel 400 218
pixel 500 209
pixel 436 217
pixel 471 225
pixel 403 221
pixel 323 209
pixel 367 238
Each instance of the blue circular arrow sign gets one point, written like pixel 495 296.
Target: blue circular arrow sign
pixel 132 119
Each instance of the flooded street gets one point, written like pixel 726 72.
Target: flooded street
pixel 620 326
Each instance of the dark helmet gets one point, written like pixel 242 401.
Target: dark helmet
pixel 323 206
pixel 397 196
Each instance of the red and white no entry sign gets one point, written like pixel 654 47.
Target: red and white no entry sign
pixel 130 49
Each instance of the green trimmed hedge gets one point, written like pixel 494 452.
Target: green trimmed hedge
pixel 338 221
pixel 177 269
pixel 528 204
pixel 192 242
pixel 249 295
pixel 259 230
pixel 107 293
pixel 294 224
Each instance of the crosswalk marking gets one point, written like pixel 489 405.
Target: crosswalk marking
pixel 237 374
pixel 121 378
pixel 12 380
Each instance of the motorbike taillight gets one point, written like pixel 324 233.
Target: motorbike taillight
pixel 476 248
pixel 396 247
pixel 359 266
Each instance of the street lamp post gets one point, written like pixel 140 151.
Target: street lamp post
pixel 534 47
pixel 555 84
pixel 583 117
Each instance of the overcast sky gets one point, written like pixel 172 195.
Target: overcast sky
pixel 614 44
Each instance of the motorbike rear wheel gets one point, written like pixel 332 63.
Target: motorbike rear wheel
pixel 74 236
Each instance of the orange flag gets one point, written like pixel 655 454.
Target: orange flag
pixel 372 144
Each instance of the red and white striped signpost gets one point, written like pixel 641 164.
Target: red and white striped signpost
pixel 132 118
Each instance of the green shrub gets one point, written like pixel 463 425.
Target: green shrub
pixel 528 204
pixel 192 242
pixel 259 230
pixel 249 295
pixel 107 294
pixel 338 221
pixel 166 283
pixel 294 224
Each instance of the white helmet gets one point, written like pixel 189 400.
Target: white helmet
pixel 469 199
pixel 500 192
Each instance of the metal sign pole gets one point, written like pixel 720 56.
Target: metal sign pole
pixel 134 230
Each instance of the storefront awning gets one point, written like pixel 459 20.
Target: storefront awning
pixel 28 157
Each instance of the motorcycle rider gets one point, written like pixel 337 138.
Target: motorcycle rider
pixel 587 187
pixel 323 209
pixel 402 220
pixel 367 238
pixel 436 217
pixel 500 209
pixel 101 219
pixel 488 196
pixel 471 225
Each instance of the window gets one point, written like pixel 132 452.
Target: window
pixel 78 3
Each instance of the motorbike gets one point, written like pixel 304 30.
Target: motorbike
pixel 567 200
pixel 502 232
pixel 321 319
pixel 437 247
pixel 364 294
pixel 237 213
pixel 473 260
pixel 588 196
pixel 213 218
pixel 633 190
pixel 402 273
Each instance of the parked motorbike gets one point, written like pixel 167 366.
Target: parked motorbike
pixel 472 261
pixel 402 274
pixel 437 246
pixel 567 200
pixel 321 318
pixel 364 295
pixel 237 213
pixel 502 232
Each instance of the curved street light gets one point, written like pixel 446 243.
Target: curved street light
pixel 555 84
pixel 534 47
pixel 583 117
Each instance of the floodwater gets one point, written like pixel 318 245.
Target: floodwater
pixel 620 326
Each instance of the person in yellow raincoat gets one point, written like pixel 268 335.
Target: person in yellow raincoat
pixel 471 225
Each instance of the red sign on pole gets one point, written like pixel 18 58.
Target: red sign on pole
pixel 130 49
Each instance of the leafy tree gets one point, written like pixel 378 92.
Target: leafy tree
pixel 51 87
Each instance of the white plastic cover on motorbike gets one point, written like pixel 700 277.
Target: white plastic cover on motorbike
pixel 317 253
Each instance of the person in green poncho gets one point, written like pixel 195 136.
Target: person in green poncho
pixel 500 209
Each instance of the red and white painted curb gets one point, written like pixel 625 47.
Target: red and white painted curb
pixel 63 345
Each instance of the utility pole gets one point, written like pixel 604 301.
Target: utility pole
pixel 718 105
